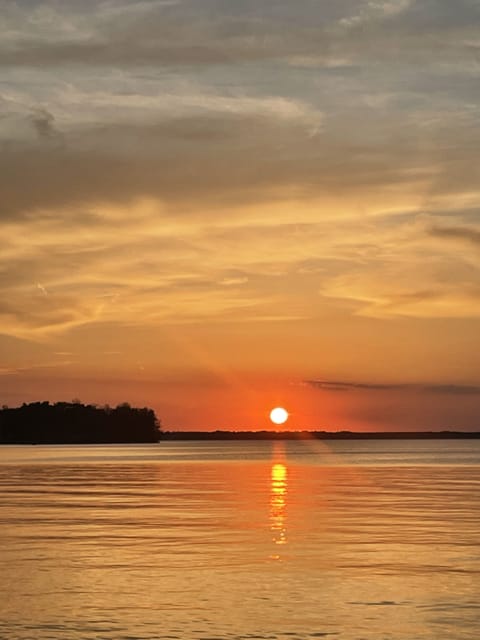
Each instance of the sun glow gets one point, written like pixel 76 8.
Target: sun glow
pixel 279 415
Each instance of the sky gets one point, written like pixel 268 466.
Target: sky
pixel 213 207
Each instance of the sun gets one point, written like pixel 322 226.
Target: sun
pixel 279 415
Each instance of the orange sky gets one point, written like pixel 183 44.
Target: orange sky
pixel 215 216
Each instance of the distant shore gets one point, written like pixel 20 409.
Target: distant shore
pixel 319 435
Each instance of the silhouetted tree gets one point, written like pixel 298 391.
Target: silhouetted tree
pixel 76 423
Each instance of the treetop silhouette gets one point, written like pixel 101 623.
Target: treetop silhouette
pixel 77 423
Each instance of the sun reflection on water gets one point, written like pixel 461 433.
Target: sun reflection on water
pixel 278 503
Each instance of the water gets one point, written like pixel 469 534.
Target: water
pixel 230 540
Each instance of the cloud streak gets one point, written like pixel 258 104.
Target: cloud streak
pixel 443 389
pixel 457 233
pixel 186 33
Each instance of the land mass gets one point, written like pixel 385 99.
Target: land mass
pixel 77 423
pixel 320 435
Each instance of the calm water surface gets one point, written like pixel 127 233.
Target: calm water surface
pixel 224 540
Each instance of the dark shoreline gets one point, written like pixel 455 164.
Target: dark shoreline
pixel 208 436
pixel 318 435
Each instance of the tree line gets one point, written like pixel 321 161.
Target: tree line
pixel 77 423
pixel 319 435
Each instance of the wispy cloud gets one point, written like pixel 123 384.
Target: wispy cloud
pixel 44 123
pixel 457 233
pixel 29 368
pixel 446 389
pixel 186 33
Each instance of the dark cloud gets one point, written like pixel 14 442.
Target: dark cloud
pixel 338 385
pixel 191 33
pixel 44 124
pixel 204 156
pixel 218 158
pixel 218 32
pixel 448 389
pixel 232 161
pixel 463 234
pixel 427 15
pixel 453 389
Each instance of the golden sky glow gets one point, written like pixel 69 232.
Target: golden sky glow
pixel 214 207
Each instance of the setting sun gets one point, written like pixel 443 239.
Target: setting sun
pixel 279 415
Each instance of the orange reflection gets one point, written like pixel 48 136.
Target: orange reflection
pixel 278 503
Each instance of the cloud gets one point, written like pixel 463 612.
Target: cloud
pixel 374 11
pixel 44 123
pixel 446 389
pixel 33 316
pixel 152 271
pixel 190 182
pixel 231 149
pixel 239 132
pixel 183 33
pixel 33 367
pixel 453 389
pixel 461 301
pixel 256 150
pixel 457 233
pixel 220 33
pixel 413 276
pixel 337 385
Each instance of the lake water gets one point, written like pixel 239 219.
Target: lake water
pixel 241 540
